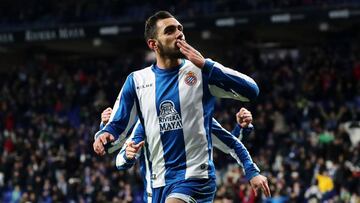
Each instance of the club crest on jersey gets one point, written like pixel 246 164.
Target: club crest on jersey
pixel 169 118
pixel 190 78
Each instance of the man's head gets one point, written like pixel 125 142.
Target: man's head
pixel 161 32
pixel 150 24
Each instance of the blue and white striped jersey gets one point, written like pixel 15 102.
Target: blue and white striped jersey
pixel 175 107
pixel 228 143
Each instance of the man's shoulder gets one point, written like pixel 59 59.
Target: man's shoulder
pixel 190 65
pixel 143 70
pixel 142 74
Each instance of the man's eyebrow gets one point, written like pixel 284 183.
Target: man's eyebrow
pixel 169 27
pixel 172 27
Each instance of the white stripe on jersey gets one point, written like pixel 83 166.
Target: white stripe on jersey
pixel 221 93
pixel 196 144
pixel 145 79
pixel 119 161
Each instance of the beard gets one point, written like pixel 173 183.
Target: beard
pixel 171 53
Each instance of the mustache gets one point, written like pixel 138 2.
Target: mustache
pixel 171 52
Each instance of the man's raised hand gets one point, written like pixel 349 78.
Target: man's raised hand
pixel 132 149
pixel 190 53
pixel 105 115
pixel 244 117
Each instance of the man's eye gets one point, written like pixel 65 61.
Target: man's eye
pixel 169 31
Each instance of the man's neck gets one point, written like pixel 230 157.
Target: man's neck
pixel 167 63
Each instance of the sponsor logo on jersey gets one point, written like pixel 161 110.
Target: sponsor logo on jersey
pixel 169 118
pixel 190 78
pixel 144 86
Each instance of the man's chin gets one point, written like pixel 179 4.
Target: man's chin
pixel 174 54
pixel 178 55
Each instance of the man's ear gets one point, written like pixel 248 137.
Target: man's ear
pixel 152 44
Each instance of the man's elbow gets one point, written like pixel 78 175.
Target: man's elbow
pixel 253 92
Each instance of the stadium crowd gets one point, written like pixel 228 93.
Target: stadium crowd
pixel 36 13
pixel 306 138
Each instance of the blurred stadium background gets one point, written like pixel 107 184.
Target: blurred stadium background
pixel 63 62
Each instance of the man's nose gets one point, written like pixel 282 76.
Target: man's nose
pixel 180 35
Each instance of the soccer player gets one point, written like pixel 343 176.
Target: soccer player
pixel 174 100
pixel 222 139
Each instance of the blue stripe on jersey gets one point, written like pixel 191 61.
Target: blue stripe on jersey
pixel 143 173
pixel 139 134
pixel 240 132
pixel 236 131
pixel 231 83
pixel 169 114
pixel 208 105
pixel 223 135
pixel 146 150
pixel 247 131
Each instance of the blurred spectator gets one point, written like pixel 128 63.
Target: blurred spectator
pixel 353 129
pixel 325 184
pixel 313 193
pixel 35 13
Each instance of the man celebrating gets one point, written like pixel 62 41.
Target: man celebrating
pixel 174 101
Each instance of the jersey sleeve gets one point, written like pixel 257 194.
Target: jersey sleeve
pixel 229 144
pixel 123 116
pixel 137 135
pixel 240 132
pixel 227 83
pixel 101 125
